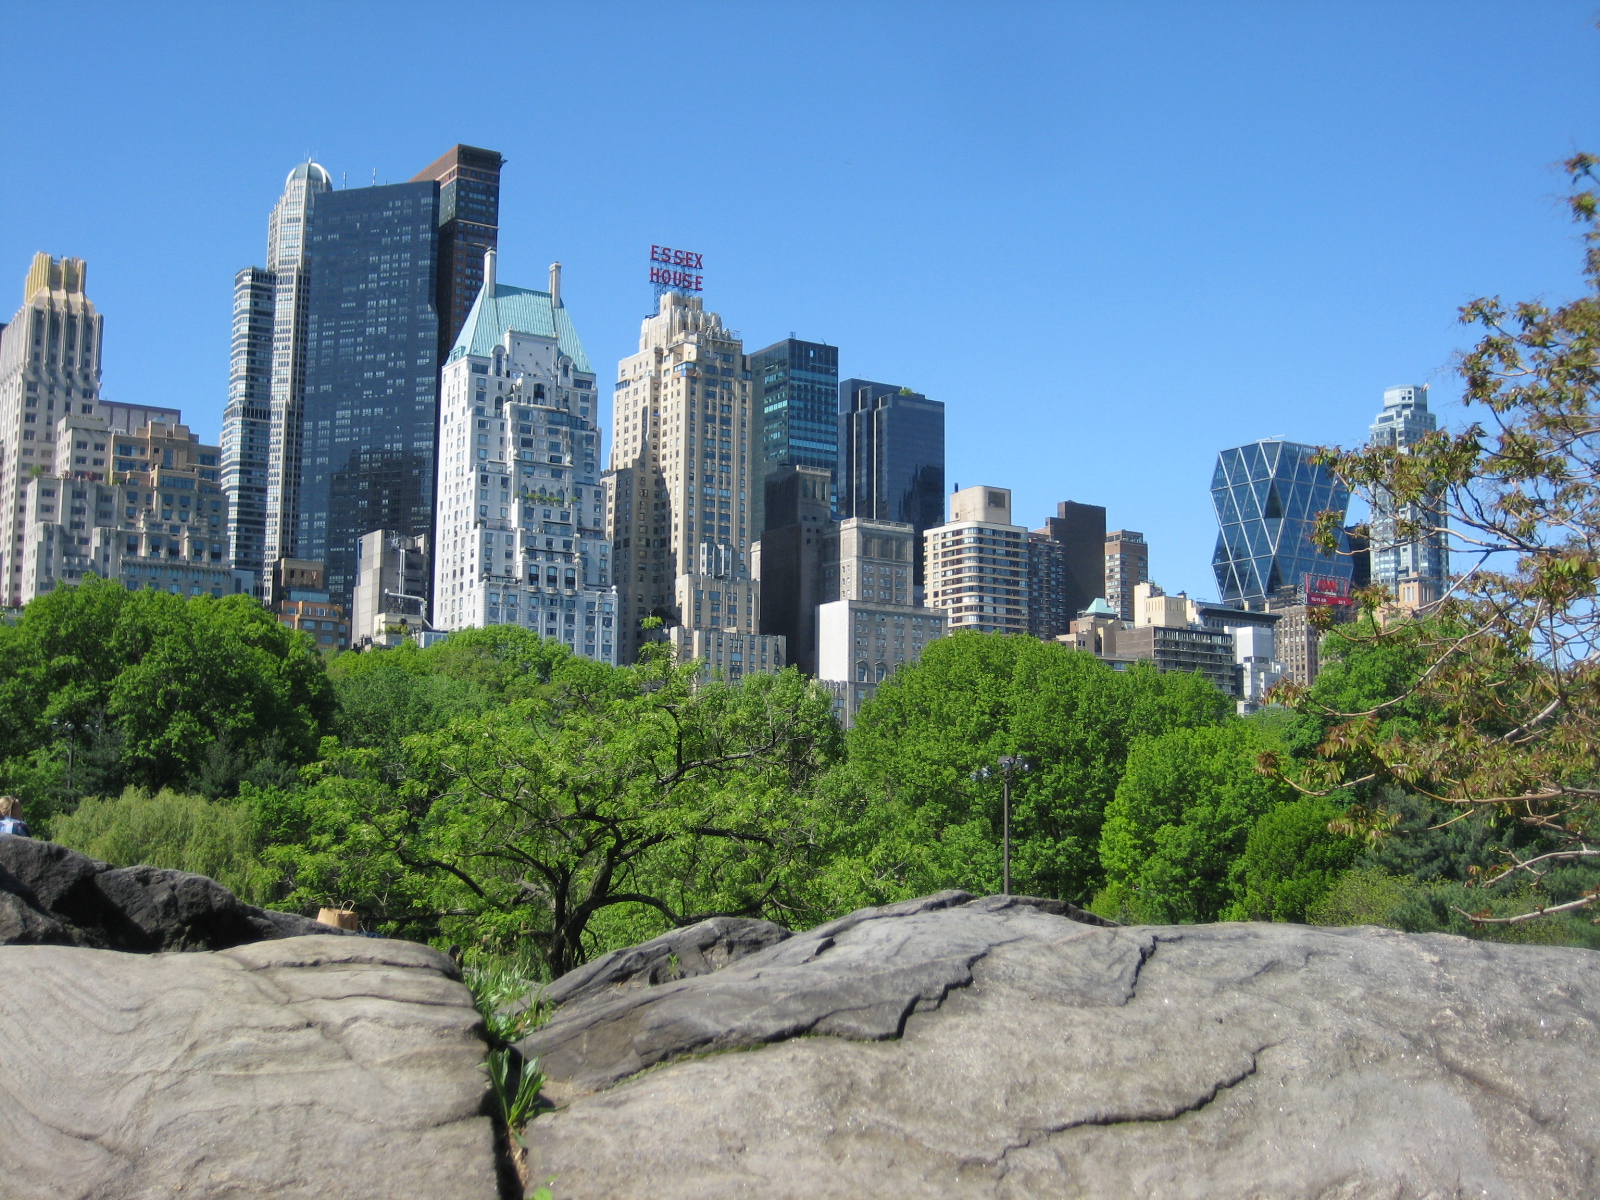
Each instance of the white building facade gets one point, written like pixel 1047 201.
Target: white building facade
pixel 520 527
pixel 291 285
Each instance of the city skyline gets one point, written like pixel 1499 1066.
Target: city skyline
pixel 1303 281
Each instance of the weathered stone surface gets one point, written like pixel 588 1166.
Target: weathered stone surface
pixel 680 954
pixel 990 1049
pixel 50 895
pixel 297 1069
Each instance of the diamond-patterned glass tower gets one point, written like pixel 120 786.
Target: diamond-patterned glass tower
pixel 1268 495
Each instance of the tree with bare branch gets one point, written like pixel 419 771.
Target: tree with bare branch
pixel 1509 658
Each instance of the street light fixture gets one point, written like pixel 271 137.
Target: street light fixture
pixel 68 728
pixel 1008 765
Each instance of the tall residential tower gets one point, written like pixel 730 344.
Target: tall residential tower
pixel 469 227
pixel 1422 561
pixel 685 459
pixel 49 368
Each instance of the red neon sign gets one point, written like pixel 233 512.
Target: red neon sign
pixel 1325 592
pixel 672 273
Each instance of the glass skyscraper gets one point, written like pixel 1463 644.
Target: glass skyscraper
pixel 1405 419
pixel 797 387
pixel 368 417
pixel 469 227
pixel 891 456
pixel 1267 496
pixel 247 422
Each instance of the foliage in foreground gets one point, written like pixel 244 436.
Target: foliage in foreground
pixel 171 830
pixel 914 820
pixel 615 803
pixel 151 690
pixel 1511 660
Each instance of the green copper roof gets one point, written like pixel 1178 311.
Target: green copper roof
pixel 1099 608
pixel 524 310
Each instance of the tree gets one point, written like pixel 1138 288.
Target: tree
pixel 1290 862
pixel 1511 659
pixel 542 820
pixel 155 682
pixel 1180 817
pixel 922 823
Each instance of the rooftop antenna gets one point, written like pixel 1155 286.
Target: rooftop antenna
pixel 374 176
pixel 344 179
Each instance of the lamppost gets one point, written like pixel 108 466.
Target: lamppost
pixel 69 729
pixel 1007 765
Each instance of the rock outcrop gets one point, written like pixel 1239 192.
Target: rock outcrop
pixel 301 1068
pixel 52 896
pixel 683 953
pixel 990 1048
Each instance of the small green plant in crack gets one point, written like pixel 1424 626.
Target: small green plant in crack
pixel 509 1000
pixel 516 1083
pixel 512 1005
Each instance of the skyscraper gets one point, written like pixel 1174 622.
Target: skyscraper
pixel 1425 560
pixel 287 229
pixel 469 227
pixel 247 420
pixel 1127 566
pixel 684 462
pixel 367 423
pixel 891 452
pixel 799 521
pixel 978 564
pixel 1048 614
pixel 1267 496
pixel 1081 531
pixel 796 392
pixel 49 367
pixel 521 523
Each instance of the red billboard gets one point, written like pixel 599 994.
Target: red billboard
pixel 678 270
pixel 1323 591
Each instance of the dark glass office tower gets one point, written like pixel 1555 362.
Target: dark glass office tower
pixel 1081 531
pixel 372 337
pixel 469 225
pixel 797 388
pixel 1267 496
pixel 891 456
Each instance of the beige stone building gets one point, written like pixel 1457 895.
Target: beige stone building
pixel 151 515
pixel 680 504
pixel 869 626
pixel 977 564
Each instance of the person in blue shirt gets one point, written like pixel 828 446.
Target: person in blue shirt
pixel 11 818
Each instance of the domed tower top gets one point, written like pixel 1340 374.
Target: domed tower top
pixel 314 174
pixel 286 227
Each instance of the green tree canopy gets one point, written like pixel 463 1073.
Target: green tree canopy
pixel 1181 815
pixel 922 823
pixel 1290 861
pixel 1511 666
pixel 180 687
pixel 610 805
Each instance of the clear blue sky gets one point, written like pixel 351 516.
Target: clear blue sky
pixel 1113 238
